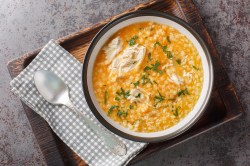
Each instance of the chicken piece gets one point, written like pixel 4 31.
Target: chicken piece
pixel 130 58
pixel 139 95
pixel 171 72
pixel 112 49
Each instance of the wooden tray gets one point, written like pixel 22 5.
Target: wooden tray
pixel 224 105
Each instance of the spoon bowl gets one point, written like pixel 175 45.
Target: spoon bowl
pixel 52 88
pixel 55 91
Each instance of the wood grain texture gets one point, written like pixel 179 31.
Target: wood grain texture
pixel 224 104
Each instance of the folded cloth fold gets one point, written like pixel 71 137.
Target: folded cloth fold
pixel 69 127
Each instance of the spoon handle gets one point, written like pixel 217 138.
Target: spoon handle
pixel 115 145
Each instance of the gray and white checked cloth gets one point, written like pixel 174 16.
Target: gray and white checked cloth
pixel 69 127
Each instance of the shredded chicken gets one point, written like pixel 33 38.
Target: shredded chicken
pixel 139 95
pixel 112 49
pixel 130 58
pixel 188 76
pixel 171 73
pixel 177 80
pixel 167 65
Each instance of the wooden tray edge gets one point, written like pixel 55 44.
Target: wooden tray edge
pixel 75 34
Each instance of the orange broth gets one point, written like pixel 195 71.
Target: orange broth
pixel 171 53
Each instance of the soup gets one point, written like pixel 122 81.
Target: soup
pixel 147 77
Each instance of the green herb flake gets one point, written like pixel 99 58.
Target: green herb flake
pixel 183 92
pixel 157 43
pixel 154 67
pixel 178 61
pixel 160 71
pixel 147 68
pixel 150 56
pixel 159 98
pixel 132 41
pixel 136 83
pixel 131 106
pixel 180 93
pixel 111 109
pixel 164 49
pixel 122 113
pixel 123 93
pixel 169 54
pixel 105 97
pixel 196 68
pixel 155 82
pixel 168 39
pixel 127 94
pixel 171 99
pixel 117 98
pixel 176 111
pixel 146 80
pixel 138 95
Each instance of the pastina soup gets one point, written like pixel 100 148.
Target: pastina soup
pixel 147 77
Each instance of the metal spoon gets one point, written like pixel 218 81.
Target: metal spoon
pixel 55 91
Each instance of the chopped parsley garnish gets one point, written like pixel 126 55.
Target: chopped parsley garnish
pixel 164 49
pixel 158 43
pixel 138 95
pixel 171 99
pixel 178 61
pixel 111 109
pixel 147 68
pixel 183 92
pixel 136 83
pixel 146 80
pixel 155 82
pixel 150 56
pixel 154 67
pixel 123 93
pixel 131 106
pixel 117 98
pixel 169 54
pixel 132 41
pixel 176 111
pixel 160 71
pixel 122 113
pixel 105 97
pixel 159 98
pixel 196 68
pixel 168 39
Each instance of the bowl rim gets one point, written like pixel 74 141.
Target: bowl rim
pixel 92 46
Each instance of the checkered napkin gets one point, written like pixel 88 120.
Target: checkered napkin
pixel 69 127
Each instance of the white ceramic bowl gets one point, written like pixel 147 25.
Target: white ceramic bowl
pixel 106 33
